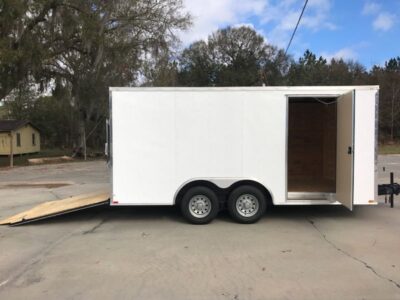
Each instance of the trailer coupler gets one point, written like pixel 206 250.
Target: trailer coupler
pixel 390 189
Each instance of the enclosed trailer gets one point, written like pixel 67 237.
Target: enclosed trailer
pixel 244 148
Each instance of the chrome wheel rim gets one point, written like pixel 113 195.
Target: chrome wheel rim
pixel 200 206
pixel 247 205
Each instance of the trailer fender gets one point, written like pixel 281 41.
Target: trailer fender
pixel 222 186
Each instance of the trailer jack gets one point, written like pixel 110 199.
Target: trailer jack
pixel 390 189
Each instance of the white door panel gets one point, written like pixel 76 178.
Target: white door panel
pixel 345 149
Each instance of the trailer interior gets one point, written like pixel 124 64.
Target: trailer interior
pixel 311 153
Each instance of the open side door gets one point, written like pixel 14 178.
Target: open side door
pixel 345 149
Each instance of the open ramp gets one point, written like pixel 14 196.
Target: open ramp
pixel 58 207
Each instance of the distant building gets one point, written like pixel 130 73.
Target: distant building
pixel 3 111
pixel 18 137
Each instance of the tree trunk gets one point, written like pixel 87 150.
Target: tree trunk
pixel 82 137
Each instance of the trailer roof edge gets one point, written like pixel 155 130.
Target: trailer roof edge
pixel 267 88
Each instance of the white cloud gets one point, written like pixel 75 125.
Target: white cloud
pixel 319 15
pixel 384 21
pixel 209 15
pixel 287 12
pixel 344 53
pixel 284 15
pixel 251 25
pixel 280 16
pixel 371 8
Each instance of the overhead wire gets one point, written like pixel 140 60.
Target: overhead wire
pixel 297 25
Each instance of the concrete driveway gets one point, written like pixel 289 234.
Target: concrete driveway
pixel 152 253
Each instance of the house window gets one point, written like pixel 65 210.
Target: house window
pixel 18 139
pixel 33 139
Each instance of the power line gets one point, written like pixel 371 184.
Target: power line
pixel 297 25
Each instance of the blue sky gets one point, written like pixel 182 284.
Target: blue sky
pixel 362 30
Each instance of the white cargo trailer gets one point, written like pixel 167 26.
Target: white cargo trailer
pixel 244 148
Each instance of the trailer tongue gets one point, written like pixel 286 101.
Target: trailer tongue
pixel 58 207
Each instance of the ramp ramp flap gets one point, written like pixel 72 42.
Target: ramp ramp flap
pixel 58 207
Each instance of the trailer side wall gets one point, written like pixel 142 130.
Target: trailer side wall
pixel 165 137
pixel 161 140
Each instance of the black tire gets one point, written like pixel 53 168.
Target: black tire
pixel 251 195
pixel 200 194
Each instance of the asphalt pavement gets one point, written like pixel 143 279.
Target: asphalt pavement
pixel 308 252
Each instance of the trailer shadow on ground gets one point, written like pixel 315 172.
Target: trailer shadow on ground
pixel 172 214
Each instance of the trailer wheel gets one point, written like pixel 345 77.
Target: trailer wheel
pixel 199 205
pixel 247 204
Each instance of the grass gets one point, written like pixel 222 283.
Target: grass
pixel 22 160
pixel 389 149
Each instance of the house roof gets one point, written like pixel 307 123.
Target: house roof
pixel 10 125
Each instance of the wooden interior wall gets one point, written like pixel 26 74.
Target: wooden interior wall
pixel 312 141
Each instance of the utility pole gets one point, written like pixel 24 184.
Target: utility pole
pixel 11 150
pixel 84 143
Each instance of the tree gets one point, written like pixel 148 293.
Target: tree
pixel 52 114
pixel 313 70
pixel 275 70
pixel 388 78
pixel 339 72
pixel 309 70
pixel 54 117
pixel 108 42
pixel 197 66
pixel 359 74
pixel 160 70
pixel 240 54
pixel 25 42
pixel 21 100
pixel 234 56
pixel 84 46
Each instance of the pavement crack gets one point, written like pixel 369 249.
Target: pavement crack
pixel 368 266
pixel 38 258
pixel 95 227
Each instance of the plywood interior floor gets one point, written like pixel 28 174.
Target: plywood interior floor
pixel 312 185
